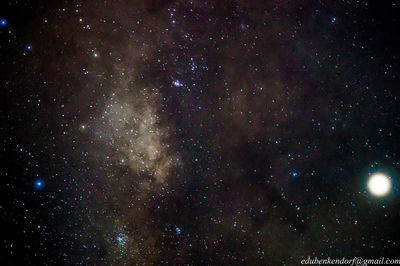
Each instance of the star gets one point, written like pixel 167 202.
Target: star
pixel 294 174
pixel 177 83
pixel 121 239
pixel 379 184
pixel 3 22
pixel 39 184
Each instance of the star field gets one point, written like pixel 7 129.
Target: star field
pixel 198 132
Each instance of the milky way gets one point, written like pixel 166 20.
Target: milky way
pixel 198 132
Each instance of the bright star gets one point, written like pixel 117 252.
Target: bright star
pixel 177 83
pixel 3 22
pixel 38 184
pixel 379 184
pixel 121 239
pixel 294 174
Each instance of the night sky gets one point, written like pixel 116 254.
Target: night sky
pixel 198 132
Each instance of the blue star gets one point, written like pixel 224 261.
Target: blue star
pixel 178 230
pixel 121 239
pixel 177 83
pixel 29 47
pixel 3 22
pixel 294 174
pixel 39 183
